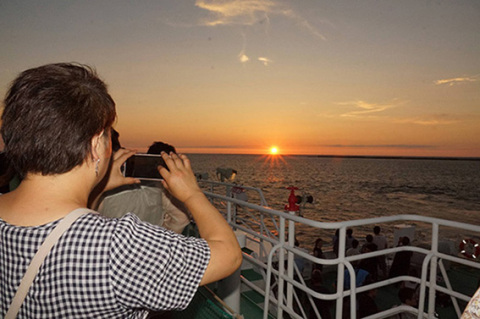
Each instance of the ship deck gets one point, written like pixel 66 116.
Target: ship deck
pixel 446 279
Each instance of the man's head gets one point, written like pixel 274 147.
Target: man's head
pixel 51 115
pixel 407 296
pixel 369 238
pixel 355 243
pixel 405 241
pixel 158 147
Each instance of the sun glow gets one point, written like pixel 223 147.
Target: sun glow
pixel 273 158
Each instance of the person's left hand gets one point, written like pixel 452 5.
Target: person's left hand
pixel 116 178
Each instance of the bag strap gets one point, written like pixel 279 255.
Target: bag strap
pixel 38 259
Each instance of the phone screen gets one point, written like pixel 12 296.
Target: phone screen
pixel 144 166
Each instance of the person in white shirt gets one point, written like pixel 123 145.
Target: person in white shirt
pixel 381 242
pixel 149 201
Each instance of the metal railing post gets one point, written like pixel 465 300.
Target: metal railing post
pixel 291 243
pixel 340 272
pixel 281 267
pixel 449 286
pixel 433 271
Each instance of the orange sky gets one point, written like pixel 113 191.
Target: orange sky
pixel 332 78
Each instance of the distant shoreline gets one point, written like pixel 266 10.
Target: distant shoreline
pixel 359 156
pixel 400 157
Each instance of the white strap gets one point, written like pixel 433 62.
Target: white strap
pixel 38 259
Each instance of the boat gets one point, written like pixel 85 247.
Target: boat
pixel 448 273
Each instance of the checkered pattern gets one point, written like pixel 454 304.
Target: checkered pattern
pixel 102 268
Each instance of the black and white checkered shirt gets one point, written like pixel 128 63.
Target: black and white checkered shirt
pixel 101 268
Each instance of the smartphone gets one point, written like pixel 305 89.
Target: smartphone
pixel 144 166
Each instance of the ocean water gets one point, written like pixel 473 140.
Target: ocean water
pixel 355 188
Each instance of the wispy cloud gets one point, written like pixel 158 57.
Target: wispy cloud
pixel 265 61
pixel 433 119
pixel 242 12
pixel 366 109
pixel 305 24
pixel 250 12
pixel 455 81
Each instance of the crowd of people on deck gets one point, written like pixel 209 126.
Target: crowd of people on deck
pixel 367 271
pixel 370 270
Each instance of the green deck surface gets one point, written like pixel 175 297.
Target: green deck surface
pixel 251 275
pixel 249 307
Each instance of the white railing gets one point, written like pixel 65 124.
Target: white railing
pixel 275 242
pixel 247 219
pixel 229 189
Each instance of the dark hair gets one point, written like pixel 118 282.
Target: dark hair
pixel 405 241
pixel 369 238
pixel 376 230
pixel 349 231
pixel 51 114
pixel 115 140
pixel 158 147
pixel 355 243
pixel 6 173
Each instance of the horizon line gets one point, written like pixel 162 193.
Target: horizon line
pixel 460 158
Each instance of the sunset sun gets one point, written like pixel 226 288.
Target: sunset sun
pixel 273 157
pixel 273 150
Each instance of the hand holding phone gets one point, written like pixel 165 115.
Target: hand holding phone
pixel 179 179
pixel 144 166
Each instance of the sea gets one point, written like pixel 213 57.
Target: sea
pixel 348 188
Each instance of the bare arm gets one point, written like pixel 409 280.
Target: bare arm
pixel 180 181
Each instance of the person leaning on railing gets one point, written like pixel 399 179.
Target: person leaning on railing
pixel 56 128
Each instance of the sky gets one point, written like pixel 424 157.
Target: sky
pixel 343 77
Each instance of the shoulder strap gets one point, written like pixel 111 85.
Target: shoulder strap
pixel 38 259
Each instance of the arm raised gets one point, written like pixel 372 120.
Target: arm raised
pixel 225 252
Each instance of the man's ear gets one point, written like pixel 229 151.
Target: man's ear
pixel 96 140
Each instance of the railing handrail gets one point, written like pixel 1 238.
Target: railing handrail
pixel 432 256
pixel 228 187
pixel 350 223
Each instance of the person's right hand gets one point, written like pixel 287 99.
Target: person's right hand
pixel 116 178
pixel 179 179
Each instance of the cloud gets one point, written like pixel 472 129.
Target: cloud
pixel 434 119
pixel 250 12
pixel 304 23
pixel 265 61
pixel 243 57
pixel 454 81
pixel 242 12
pixel 366 109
